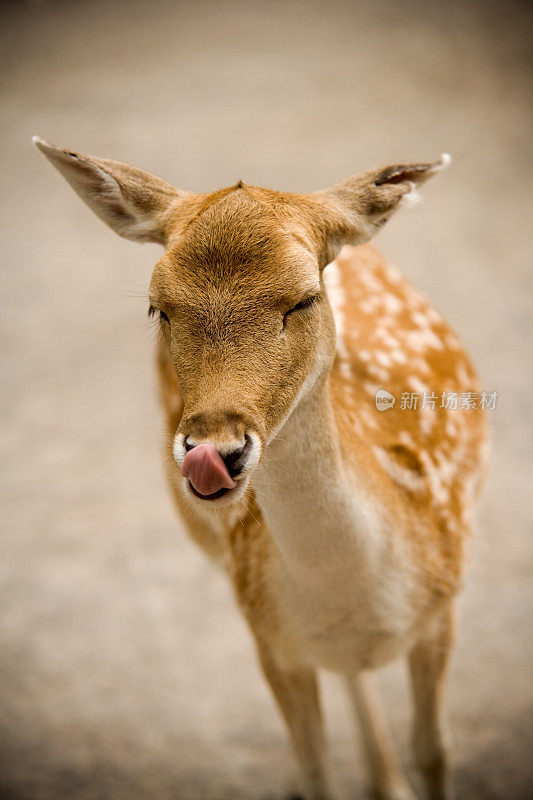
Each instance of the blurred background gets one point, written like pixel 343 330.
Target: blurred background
pixel 126 671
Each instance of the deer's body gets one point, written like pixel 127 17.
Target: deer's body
pixel 346 578
pixel 342 527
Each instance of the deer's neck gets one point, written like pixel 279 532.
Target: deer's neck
pixel 313 502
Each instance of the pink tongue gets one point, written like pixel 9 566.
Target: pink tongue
pixel 206 471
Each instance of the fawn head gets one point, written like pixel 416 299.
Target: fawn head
pixel 239 296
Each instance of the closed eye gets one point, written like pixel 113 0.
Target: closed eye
pixel 152 311
pixel 307 302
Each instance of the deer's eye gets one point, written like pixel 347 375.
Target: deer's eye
pixel 301 306
pixel 152 311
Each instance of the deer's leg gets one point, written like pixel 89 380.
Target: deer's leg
pixel 386 775
pixel 428 661
pixel 296 693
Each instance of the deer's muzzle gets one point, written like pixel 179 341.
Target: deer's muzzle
pixel 216 460
pixel 207 470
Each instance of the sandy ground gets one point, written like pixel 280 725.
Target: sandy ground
pixel 126 671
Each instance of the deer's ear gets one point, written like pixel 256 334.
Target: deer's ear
pixel 355 209
pixel 134 203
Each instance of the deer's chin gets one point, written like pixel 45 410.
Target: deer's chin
pixel 220 499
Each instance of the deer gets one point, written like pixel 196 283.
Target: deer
pixel 342 526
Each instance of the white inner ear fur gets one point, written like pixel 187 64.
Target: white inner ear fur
pixel 445 161
pixel 413 196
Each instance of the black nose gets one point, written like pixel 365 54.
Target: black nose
pixel 234 461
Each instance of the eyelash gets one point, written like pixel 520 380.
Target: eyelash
pixel 153 310
pixel 300 306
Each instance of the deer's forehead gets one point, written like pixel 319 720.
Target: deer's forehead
pixel 192 278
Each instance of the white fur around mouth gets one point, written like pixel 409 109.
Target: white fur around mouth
pixel 213 496
pixel 219 497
